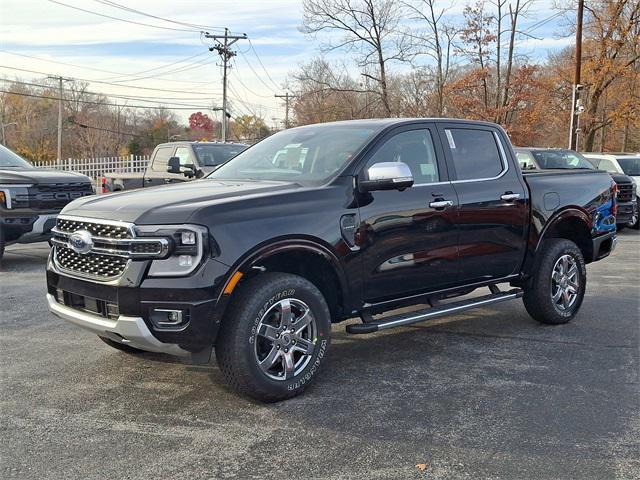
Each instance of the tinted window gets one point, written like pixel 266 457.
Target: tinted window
pixel 525 160
pixel 415 148
pixel 211 155
pixel 630 165
pixel 8 159
pixel 474 152
pixel 160 159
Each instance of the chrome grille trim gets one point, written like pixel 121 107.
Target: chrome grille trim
pixel 114 247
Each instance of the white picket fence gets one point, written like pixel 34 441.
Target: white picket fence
pixel 97 167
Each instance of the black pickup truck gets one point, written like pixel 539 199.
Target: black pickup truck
pixel 355 219
pixel 31 198
pixel 195 159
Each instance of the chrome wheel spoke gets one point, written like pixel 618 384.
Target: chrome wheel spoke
pixel 573 271
pixel 303 345
pixel 267 331
pixel 285 312
pixel 270 359
pixel 301 323
pixel 565 264
pixel 557 295
pixel 572 287
pixel 566 299
pixel 289 365
pixel 557 276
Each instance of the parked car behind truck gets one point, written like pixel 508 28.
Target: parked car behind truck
pixel 561 159
pixel 261 256
pixel 621 164
pixel 31 198
pixel 196 159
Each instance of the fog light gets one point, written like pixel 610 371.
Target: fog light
pixel 185 260
pixel 60 295
pixel 168 317
pixel 188 238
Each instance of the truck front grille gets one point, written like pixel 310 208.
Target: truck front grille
pixel 54 196
pixel 625 192
pixel 105 230
pixel 105 267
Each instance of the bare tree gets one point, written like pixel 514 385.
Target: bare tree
pixel 370 28
pixel 436 41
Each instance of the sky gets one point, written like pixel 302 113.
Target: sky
pixel 138 60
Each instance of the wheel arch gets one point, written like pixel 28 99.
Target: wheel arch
pixel 307 257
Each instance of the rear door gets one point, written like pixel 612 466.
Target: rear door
pixel 156 172
pixel 492 216
pixel 409 239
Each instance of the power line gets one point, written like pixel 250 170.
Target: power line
pixel 238 77
pixel 112 83
pixel 133 10
pixel 123 97
pixel 110 104
pixel 259 77
pixel 82 125
pixel 122 19
pixel 262 65
pixel 135 74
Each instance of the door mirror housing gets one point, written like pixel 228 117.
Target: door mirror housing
pixel 188 170
pixel 387 176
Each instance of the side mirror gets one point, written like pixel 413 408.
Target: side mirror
pixel 173 165
pixel 387 176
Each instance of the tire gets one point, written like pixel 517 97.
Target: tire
pixel 253 334
pixel 559 282
pixel 120 346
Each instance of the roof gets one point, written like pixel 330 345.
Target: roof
pixel 195 142
pixel 388 122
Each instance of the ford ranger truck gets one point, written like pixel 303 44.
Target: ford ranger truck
pixel 355 219
pixel 31 198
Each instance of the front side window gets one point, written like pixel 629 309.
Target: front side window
pixel 306 155
pixel 525 160
pixel 161 158
pixel 183 154
pixel 212 155
pixel 413 147
pixel 474 152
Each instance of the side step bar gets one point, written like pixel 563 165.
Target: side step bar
pixel 433 312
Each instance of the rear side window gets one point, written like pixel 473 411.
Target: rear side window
pixel 161 158
pixel 474 152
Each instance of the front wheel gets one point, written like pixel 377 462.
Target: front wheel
pixel 558 284
pixel 275 337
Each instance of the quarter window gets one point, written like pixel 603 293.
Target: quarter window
pixel 474 152
pixel 161 158
pixel 414 148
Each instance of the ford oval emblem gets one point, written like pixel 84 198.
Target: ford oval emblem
pixel 81 241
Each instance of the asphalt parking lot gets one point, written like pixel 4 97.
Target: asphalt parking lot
pixel 485 394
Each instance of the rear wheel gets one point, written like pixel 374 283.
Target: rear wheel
pixel 275 337
pixel 558 284
pixel 120 346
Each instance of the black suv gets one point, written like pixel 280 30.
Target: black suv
pixel 31 198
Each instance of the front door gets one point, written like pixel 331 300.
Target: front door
pixel 409 238
pixel 156 173
pixel 492 217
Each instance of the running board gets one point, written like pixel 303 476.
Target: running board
pixel 433 312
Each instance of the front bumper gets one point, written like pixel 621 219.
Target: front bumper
pixel 627 212
pixel 130 331
pixel 124 311
pixel 27 227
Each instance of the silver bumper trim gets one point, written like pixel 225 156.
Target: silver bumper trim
pixel 126 330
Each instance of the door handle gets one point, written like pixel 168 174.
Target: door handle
pixel 510 196
pixel 441 204
pixel 148 180
pixel 167 180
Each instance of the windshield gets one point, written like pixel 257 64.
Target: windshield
pixel 8 159
pixel 630 165
pixel 212 155
pixel 305 155
pixel 554 159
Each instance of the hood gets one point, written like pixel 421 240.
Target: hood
pixel 168 204
pixel 40 176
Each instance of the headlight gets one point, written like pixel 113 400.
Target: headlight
pixel 189 245
pixel 14 195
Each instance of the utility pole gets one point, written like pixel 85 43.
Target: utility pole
pixel 286 97
pixel 60 109
pixel 222 47
pixel 577 87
